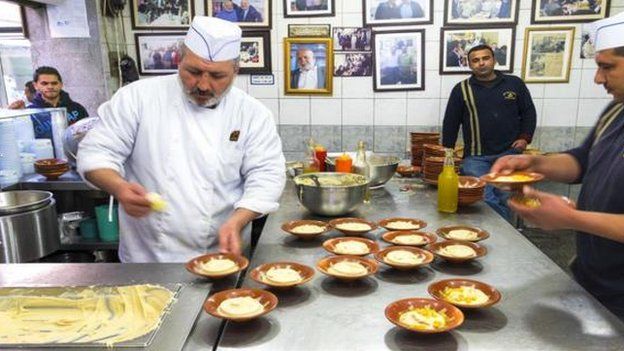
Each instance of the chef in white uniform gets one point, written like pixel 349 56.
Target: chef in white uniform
pixel 210 150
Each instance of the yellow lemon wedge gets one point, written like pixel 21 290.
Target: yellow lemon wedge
pixel 157 203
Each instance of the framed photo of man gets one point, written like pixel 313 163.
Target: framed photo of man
pixel 353 64
pixel 162 14
pixel 456 42
pixel 482 12
pixel 158 53
pixel 569 11
pixel 248 14
pixel 547 54
pixel 352 39
pixel 397 12
pixel 310 8
pixel 399 62
pixel 255 54
pixel 308 66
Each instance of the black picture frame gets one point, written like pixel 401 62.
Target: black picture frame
pixel 391 78
pixel 291 9
pixel 144 49
pixel 370 20
pixel 506 50
pixel 541 15
pixel 247 65
pixel 211 8
pixel 185 16
pixel 450 12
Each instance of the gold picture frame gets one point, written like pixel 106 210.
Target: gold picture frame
pixel 317 52
pixel 547 55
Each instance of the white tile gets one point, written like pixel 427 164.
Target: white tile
pixel 351 20
pixel 360 87
pixel 577 62
pixel 390 112
pixel 524 20
pixel 390 95
pixel 423 112
pixel 326 111
pixel 589 111
pixel 357 111
pixel 240 81
pixel 432 86
pixel 350 6
pixel 432 55
pixel 565 90
pixel 559 113
pixel 448 82
pixel 536 89
pixel 264 91
pixel 273 105
pixel 589 89
pixel 295 111
pixel 277 58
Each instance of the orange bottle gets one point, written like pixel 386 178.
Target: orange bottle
pixel 343 163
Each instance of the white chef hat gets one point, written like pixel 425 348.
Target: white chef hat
pixel 213 39
pixel 608 33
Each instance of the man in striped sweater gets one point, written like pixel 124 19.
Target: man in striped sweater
pixel 497 117
pixel 598 163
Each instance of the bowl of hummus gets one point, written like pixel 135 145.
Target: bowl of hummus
pixel 352 225
pixel 404 257
pixel 240 304
pixel 457 251
pixel 464 293
pixel 422 315
pixel 350 246
pixel 282 274
pixel 306 229
pixel 347 267
pixel 462 233
pixel 217 265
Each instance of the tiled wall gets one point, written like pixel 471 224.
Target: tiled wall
pixel 355 111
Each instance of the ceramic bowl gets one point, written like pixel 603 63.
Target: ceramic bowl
pixel 426 255
pixel 267 299
pixel 259 273
pixel 192 265
pixel 446 232
pixel 330 245
pixel 435 249
pixel 336 224
pixel 388 223
pixel 455 317
pixel 323 265
pixel 392 237
pixel 290 226
pixel 435 289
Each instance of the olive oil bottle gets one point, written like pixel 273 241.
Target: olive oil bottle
pixel 448 185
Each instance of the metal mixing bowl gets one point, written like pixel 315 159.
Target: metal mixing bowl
pixel 335 200
pixel 17 201
pixel 382 169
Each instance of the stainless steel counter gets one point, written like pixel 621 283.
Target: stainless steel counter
pixel 541 309
pixel 184 318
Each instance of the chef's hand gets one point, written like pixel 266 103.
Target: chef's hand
pixel 132 197
pixel 554 212
pixel 520 144
pixel 510 163
pixel 229 238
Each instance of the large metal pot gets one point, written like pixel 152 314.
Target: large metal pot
pixel 28 225
pixel 330 200
pixel 382 168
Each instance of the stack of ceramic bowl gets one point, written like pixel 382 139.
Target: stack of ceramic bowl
pixel 418 140
pixel 10 164
pixel 470 190
pixel 434 150
pixel 51 168
pixel 432 167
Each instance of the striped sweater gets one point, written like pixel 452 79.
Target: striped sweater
pixel 492 115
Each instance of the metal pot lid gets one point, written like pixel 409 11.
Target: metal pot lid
pixel 23 200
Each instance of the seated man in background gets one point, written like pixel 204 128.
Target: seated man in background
pixel 49 85
pixel 29 96
pixel 497 117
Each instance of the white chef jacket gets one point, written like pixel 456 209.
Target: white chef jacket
pixel 204 163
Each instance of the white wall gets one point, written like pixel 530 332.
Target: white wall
pixel 572 104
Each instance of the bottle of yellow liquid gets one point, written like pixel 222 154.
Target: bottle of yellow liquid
pixel 311 164
pixel 448 185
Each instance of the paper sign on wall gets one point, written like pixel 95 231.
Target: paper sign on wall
pixel 68 20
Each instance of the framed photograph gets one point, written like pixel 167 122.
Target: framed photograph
pixel 352 39
pixel 456 42
pixel 310 8
pixel 547 54
pixel 482 12
pixel 588 51
pixel 399 62
pixel 255 54
pixel 569 11
pixel 309 30
pixel 248 14
pixel 163 14
pixel 308 65
pixel 158 53
pixel 353 64
pixel 397 12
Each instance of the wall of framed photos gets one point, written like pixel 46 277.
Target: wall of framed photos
pixel 366 96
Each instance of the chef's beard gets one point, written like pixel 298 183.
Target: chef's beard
pixel 213 99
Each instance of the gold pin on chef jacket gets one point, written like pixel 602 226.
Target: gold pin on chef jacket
pixel 234 135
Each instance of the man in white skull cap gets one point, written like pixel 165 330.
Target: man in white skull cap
pixel 598 163
pixel 209 150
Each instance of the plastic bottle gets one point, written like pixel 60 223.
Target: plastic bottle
pixel 311 164
pixel 361 166
pixel 448 185
pixel 344 163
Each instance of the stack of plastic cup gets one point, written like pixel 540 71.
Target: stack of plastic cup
pixel 9 151
pixel 42 148
pixel 28 162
